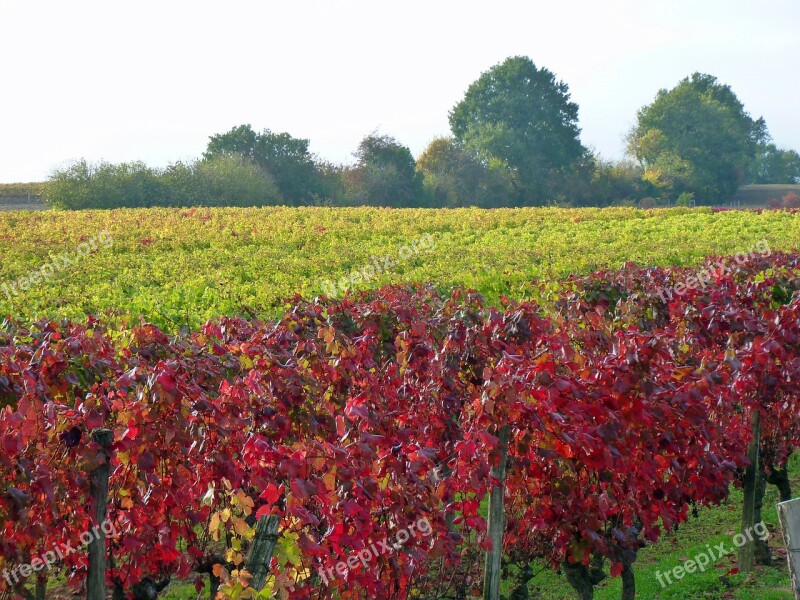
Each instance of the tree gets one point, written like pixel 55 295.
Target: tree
pixel 775 165
pixel 284 157
pixel 385 174
pixel 696 138
pixel 617 182
pixel 239 140
pixel 523 116
pixel 456 176
pixel 331 186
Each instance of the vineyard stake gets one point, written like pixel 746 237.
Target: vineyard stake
pixel 262 549
pixel 747 551
pixel 496 524
pixel 96 580
pixel 789 515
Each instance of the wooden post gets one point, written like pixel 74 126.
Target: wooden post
pixel 747 551
pixel 96 580
pixel 789 516
pixel 261 551
pixel 40 592
pixel 496 524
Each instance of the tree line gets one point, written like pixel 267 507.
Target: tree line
pixel 514 141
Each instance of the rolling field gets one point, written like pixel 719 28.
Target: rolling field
pixel 21 196
pixel 182 267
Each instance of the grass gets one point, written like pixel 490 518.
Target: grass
pixel 712 526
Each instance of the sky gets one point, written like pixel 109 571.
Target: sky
pixel 152 80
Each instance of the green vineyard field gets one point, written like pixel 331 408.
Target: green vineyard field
pixel 181 267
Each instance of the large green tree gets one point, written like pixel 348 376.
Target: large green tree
pixel 284 157
pixel 521 115
pixel 696 138
pixel 385 174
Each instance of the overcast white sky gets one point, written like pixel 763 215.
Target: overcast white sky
pixel 151 80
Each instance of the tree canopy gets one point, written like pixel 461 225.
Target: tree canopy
pixel 520 114
pixel 696 138
pixel 284 157
pixel 385 174
pixel 775 165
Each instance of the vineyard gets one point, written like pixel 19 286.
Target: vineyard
pixel 180 268
pixel 409 441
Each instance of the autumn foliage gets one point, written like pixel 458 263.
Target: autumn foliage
pixel 350 420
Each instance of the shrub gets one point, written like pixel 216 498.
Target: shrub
pixel 774 203
pixel 791 200
pixel 628 202
pixel 231 180
pixel 647 203
pixel 228 180
pixel 104 185
pixel 685 199
pixel 616 183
